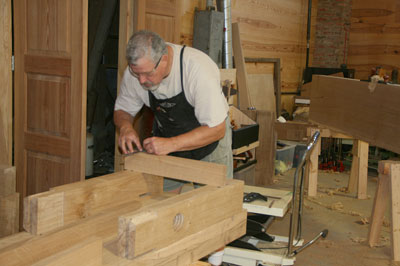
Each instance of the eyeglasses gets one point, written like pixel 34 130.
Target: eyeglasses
pixel 147 74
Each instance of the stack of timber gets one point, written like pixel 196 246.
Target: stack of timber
pixel 9 202
pixel 349 106
pixel 126 219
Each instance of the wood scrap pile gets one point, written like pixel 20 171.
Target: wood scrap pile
pixel 125 218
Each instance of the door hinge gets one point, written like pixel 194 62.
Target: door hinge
pixel 12 63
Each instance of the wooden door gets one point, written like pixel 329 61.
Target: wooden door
pixel 161 16
pixel 50 92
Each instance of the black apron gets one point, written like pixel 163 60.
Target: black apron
pixel 175 116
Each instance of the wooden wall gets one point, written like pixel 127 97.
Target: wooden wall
pixel 269 29
pixel 374 36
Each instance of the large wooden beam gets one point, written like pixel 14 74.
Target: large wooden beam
pixel 65 204
pixel 176 218
pixel 103 225
pixel 349 106
pixel 88 252
pixel 188 249
pixel 177 168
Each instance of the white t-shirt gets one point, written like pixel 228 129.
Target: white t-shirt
pixel 201 82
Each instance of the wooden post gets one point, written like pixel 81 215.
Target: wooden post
pixel 312 167
pixel 359 169
pixel 388 184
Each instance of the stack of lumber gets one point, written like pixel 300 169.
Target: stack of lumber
pixel 126 219
pixel 9 202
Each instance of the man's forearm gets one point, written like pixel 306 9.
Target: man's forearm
pixel 122 119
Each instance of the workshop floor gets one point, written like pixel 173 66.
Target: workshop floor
pixel 344 216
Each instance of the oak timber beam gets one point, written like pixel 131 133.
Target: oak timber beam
pixel 69 203
pixel 188 249
pixel 88 252
pixel 351 107
pixel 177 168
pixel 102 225
pixel 176 218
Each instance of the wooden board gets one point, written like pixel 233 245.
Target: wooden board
pixel 6 83
pixel 176 218
pixel 103 225
pixel 183 252
pixel 243 87
pixel 177 168
pixel 127 25
pixel 276 205
pixel 89 251
pixel 66 204
pixel 9 214
pixel 291 130
pixel 7 180
pixel 265 153
pixel 349 107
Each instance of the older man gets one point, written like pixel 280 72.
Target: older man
pixel 181 85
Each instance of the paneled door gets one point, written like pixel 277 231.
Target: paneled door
pixel 50 92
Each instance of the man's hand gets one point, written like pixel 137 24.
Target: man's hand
pixel 159 146
pixel 128 137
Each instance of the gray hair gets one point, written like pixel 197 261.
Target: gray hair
pixel 145 43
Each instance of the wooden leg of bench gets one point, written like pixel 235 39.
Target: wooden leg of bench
pixel 363 148
pixel 353 179
pixel 312 168
pixel 380 204
pixel 395 204
pixel 359 169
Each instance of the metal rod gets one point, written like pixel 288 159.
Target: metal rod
pixel 322 234
pixel 299 168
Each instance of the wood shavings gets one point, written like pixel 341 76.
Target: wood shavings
pixel 354 213
pixel 358 239
pixel 363 221
pixel 336 206
pixel 330 192
pixel 343 189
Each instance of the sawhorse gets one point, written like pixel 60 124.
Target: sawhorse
pixel 387 190
pixel 359 166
